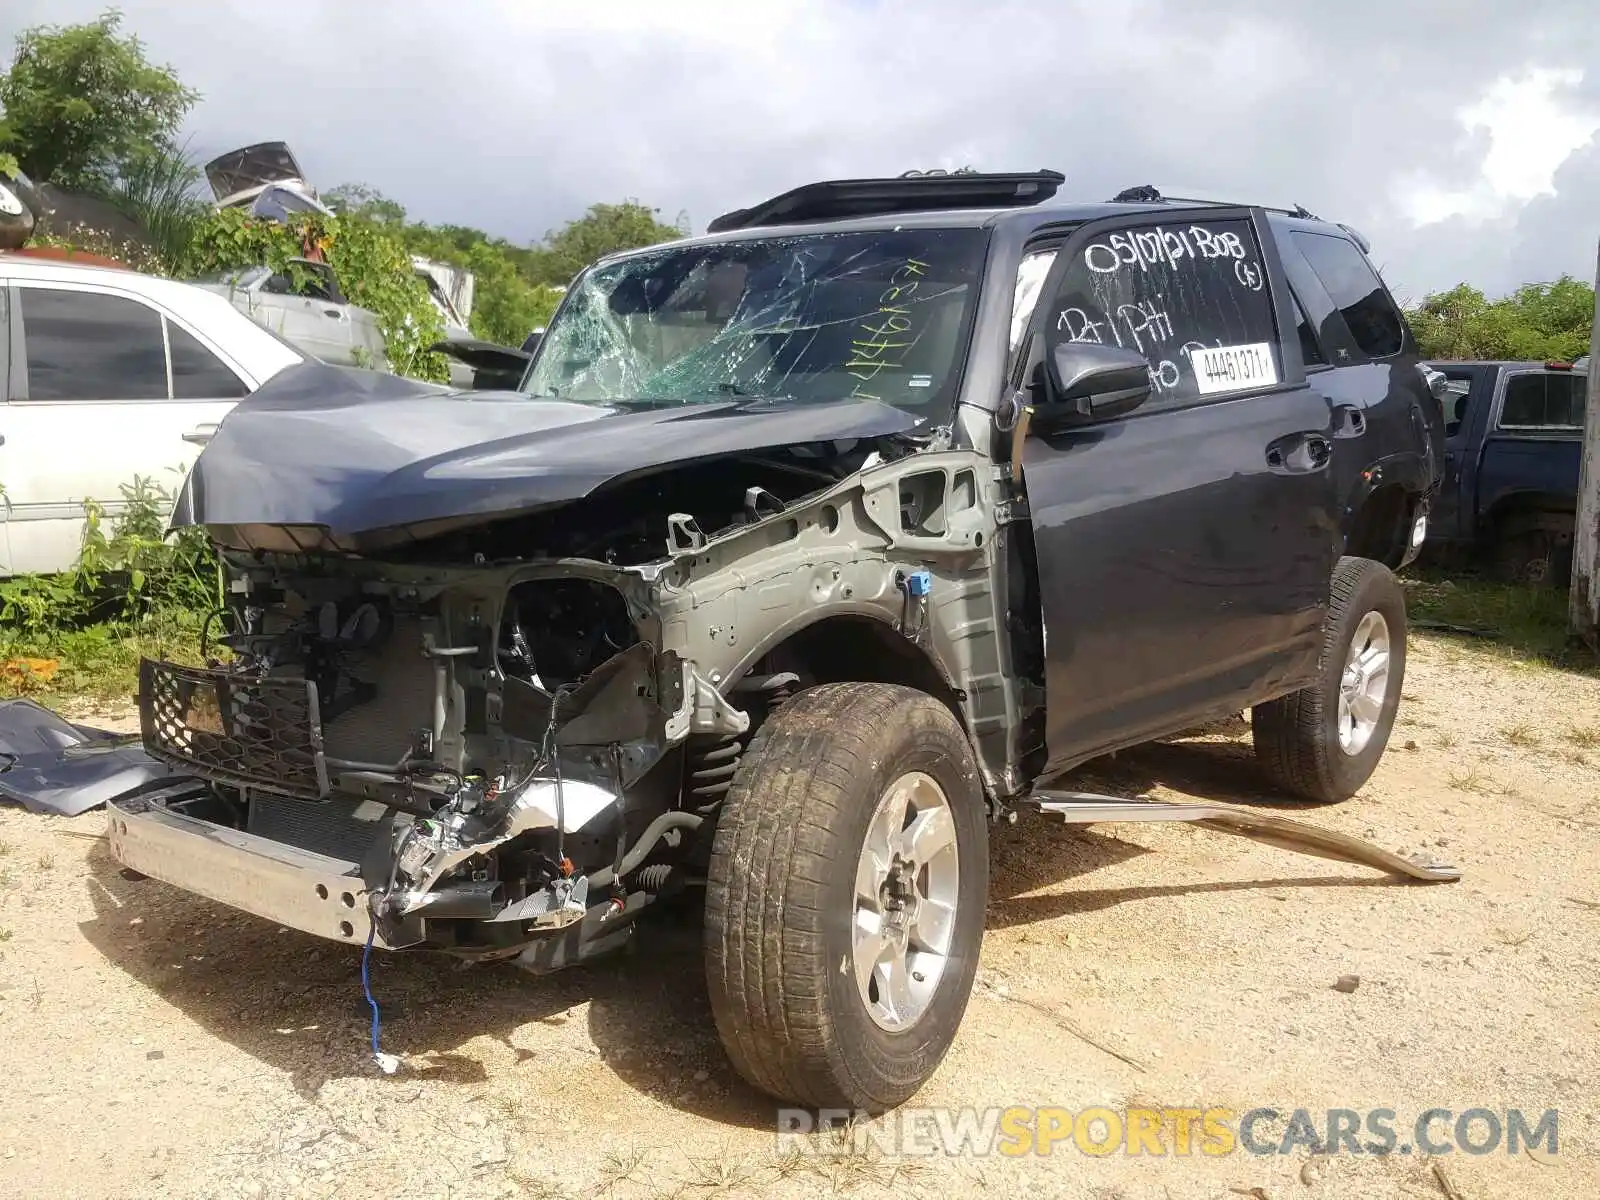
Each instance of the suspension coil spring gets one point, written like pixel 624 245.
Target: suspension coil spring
pixel 653 878
pixel 712 762
pixel 713 758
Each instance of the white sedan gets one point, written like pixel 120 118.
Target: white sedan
pixel 106 374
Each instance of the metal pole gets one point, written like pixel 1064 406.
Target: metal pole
pixel 1584 599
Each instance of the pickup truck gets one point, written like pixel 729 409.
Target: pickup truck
pixel 809 549
pixel 1513 443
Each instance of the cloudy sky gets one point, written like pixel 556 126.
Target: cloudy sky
pixel 1460 135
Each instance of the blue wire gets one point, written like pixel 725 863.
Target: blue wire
pixel 366 983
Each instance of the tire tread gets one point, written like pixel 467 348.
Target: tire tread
pixel 776 843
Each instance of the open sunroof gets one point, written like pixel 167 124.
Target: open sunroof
pixel 839 199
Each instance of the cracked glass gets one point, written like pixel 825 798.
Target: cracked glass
pixel 879 316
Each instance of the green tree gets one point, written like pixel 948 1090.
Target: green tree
pixel 81 102
pixel 505 306
pixel 1538 321
pixel 372 265
pixel 360 200
pixel 604 229
pixel 9 165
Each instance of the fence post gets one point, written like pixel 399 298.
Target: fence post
pixel 1584 600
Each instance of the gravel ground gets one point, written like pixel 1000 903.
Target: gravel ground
pixel 158 1045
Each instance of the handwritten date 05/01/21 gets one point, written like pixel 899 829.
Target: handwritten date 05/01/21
pixel 1230 368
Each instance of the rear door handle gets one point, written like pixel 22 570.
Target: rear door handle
pixel 1299 453
pixel 200 434
pixel 336 313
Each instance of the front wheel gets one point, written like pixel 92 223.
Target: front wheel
pixel 1323 742
pixel 845 897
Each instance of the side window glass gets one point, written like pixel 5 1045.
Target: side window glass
pixel 1310 349
pixel 1191 298
pixel 5 340
pixel 198 374
pixel 1543 400
pixel 88 346
pixel 1031 272
pixel 1356 290
pixel 320 284
pixel 309 281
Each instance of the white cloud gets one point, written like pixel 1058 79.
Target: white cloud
pixel 1529 126
pixel 516 116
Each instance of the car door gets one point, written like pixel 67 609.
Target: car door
pixel 1390 427
pixel 366 339
pixel 104 387
pixel 1534 443
pixel 1469 393
pixel 5 397
pixel 304 306
pixel 1184 550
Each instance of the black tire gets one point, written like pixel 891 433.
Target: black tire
pixel 1297 736
pixel 780 896
pixel 1533 557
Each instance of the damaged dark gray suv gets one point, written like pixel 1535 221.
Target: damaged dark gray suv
pixel 807 550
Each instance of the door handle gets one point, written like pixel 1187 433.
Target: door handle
pixel 200 434
pixel 336 313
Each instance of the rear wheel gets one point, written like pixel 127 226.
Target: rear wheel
pixel 1323 742
pixel 845 897
pixel 1533 556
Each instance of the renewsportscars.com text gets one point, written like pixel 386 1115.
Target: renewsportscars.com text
pixel 1021 1130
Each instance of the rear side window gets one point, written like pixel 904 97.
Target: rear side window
pixel 1192 298
pixel 5 340
pixel 1356 291
pixel 1544 400
pixel 1310 349
pixel 88 346
pixel 198 374
pixel 306 281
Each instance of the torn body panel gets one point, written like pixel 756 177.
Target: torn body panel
pixel 335 459
pixel 50 765
pixel 544 736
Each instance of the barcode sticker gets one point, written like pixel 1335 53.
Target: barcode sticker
pixel 1233 368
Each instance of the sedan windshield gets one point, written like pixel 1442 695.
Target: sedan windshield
pixel 826 316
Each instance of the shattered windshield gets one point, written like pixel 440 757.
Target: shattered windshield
pixel 827 316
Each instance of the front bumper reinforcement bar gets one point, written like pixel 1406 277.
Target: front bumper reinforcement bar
pixel 1087 808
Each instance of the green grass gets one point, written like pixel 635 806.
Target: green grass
pixel 98 662
pixel 132 593
pixel 1524 624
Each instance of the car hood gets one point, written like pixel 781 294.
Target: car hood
pixel 354 451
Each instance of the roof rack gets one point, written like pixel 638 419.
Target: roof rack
pixel 836 199
pixel 1144 193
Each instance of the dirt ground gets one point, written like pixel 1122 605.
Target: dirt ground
pixel 158 1045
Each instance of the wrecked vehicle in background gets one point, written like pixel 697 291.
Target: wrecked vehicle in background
pixel 809 549
pixel 494 367
pixel 306 306
pixel 20 208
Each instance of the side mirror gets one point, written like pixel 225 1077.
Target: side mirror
pixel 1086 382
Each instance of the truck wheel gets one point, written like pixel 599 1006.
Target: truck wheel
pixel 1533 558
pixel 1323 742
pixel 845 897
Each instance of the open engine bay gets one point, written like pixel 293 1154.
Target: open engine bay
pixel 520 755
